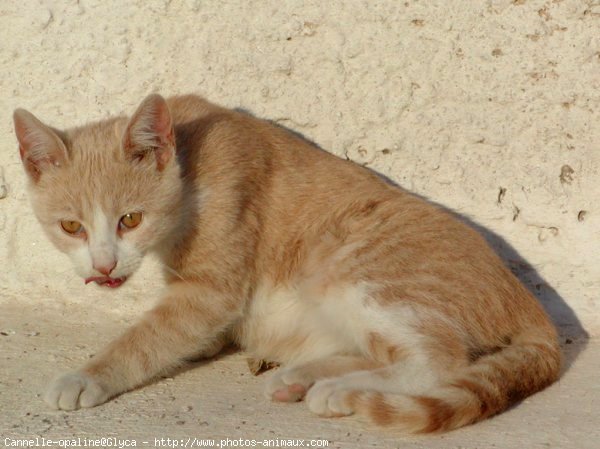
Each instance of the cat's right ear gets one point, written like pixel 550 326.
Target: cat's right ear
pixel 40 147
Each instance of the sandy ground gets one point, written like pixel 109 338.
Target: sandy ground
pixel 489 108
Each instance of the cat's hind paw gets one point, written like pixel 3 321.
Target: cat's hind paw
pixel 75 390
pixel 288 385
pixel 329 398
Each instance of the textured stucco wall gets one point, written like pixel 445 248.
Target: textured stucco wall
pixel 490 108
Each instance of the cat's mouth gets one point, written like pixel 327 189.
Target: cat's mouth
pixel 107 281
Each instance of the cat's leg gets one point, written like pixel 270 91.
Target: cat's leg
pixel 409 372
pixel 290 384
pixel 189 321
pixel 333 396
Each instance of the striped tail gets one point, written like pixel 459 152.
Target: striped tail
pixel 492 383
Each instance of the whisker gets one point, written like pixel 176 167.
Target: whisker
pixel 171 270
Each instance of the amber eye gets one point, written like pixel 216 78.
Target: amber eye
pixel 131 220
pixel 71 227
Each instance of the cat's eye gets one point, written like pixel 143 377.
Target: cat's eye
pixel 71 226
pixel 131 220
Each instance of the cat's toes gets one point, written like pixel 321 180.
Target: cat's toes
pixel 287 385
pixel 328 398
pixel 74 390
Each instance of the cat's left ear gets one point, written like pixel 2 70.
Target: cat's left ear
pixel 150 132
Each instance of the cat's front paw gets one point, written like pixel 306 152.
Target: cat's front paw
pixel 75 390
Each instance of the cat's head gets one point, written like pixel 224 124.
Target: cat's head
pixel 107 192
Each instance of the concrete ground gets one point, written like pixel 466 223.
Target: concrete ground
pixel 221 399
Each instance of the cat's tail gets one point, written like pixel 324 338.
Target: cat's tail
pixel 488 386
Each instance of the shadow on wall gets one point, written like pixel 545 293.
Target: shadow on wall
pixel 573 336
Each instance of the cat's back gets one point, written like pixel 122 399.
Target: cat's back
pixel 293 181
pixel 290 176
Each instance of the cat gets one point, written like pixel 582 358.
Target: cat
pixel 374 301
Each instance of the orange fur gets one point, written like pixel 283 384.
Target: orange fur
pixel 375 301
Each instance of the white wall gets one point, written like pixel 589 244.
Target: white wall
pixel 455 100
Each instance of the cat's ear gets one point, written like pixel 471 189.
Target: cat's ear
pixel 150 132
pixel 40 146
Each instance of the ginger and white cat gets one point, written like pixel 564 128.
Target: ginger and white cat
pixel 373 300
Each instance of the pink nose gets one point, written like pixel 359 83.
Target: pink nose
pixel 106 269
